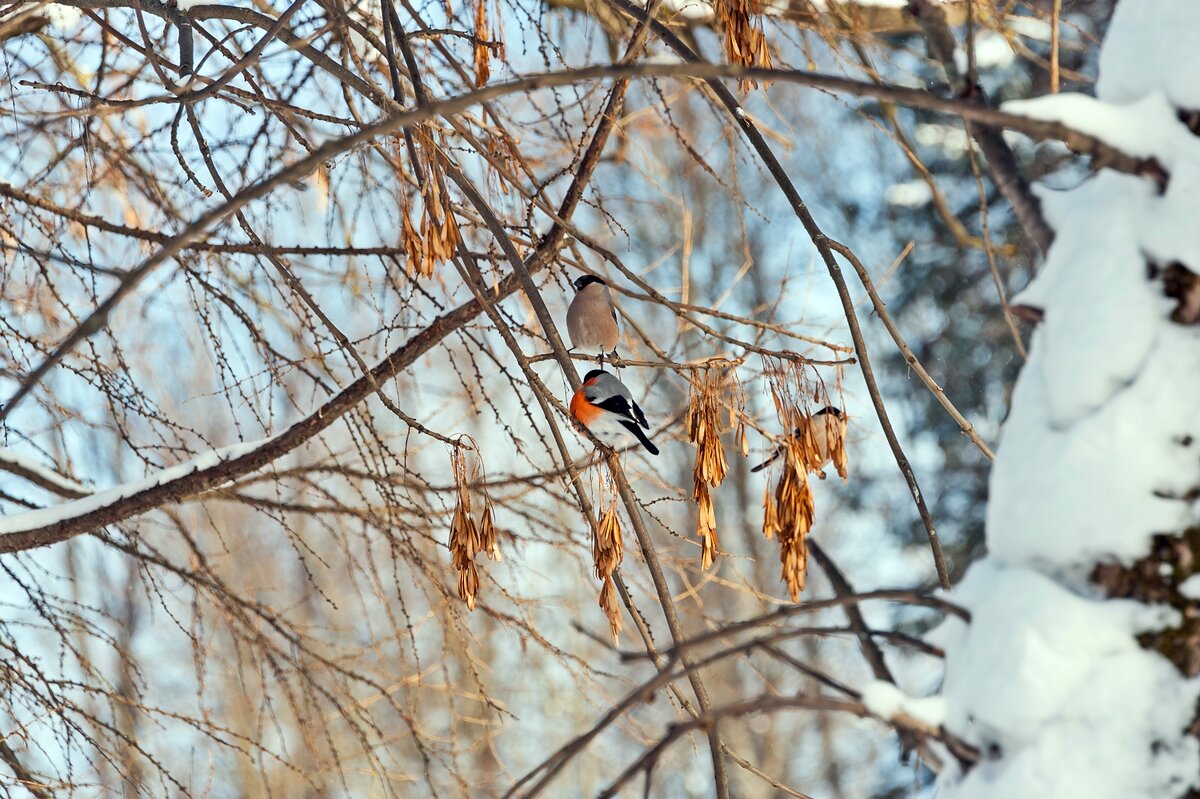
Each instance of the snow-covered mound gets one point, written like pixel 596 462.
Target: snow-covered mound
pixel 1102 443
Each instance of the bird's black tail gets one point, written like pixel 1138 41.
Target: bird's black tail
pixel 774 457
pixel 637 431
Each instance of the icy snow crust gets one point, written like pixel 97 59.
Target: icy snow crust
pixel 1048 679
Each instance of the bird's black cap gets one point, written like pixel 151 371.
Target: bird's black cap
pixel 593 373
pixel 830 409
pixel 587 280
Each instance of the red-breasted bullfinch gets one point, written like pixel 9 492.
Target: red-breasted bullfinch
pixel 606 408
pixel 820 433
pixel 592 318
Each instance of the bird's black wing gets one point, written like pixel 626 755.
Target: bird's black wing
pixel 641 417
pixel 620 406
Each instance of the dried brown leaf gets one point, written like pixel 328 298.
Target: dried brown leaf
pixel 745 42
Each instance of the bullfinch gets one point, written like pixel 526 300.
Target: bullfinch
pixel 606 408
pixel 820 434
pixel 592 318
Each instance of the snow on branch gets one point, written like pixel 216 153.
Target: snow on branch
pixel 43 527
pixel 41 476
pixel 44 518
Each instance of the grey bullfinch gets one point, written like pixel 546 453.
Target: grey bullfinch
pixel 592 318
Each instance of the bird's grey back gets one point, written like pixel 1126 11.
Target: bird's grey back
pixel 606 386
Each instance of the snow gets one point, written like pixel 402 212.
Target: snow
pixel 62 17
pixel 913 194
pixel 1029 27
pixel 1190 587
pixel 663 57
pixel 1143 127
pixel 1048 679
pixel 23 463
pixel 992 51
pixel 1056 684
pixel 885 700
pixel 36 519
pixel 1100 396
pixel 1149 47
pixel 950 139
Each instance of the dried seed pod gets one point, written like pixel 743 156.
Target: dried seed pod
pixel 607 552
pixel 793 519
pixel 467 538
pixel 745 42
pixel 464 542
pixel 706 525
pixel 612 610
pixel 487 533
pixel 482 52
pixel 770 514
pixel 814 442
pixel 835 443
pixel 437 237
pixel 413 245
pixel 608 548
pixel 713 387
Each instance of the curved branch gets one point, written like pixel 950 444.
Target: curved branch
pixel 1081 142
pixel 40 528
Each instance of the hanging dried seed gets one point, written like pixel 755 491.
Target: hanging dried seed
pixel 482 54
pixel 745 42
pixel 487 533
pixel 437 237
pixel 607 553
pixel 467 538
pixel 706 525
pixel 793 519
pixel 612 610
pixel 812 443
pixel 712 389
pixel 608 548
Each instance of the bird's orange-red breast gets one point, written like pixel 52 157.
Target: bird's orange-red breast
pixel 584 411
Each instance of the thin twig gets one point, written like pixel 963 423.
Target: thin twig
pixel 904 596
pixel 1000 159
pixel 37 788
pixel 989 251
pixel 1055 20
pixel 769 703
pixel 910 357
